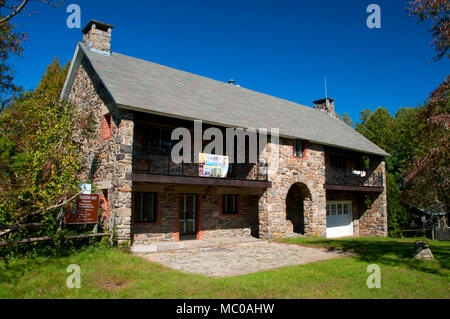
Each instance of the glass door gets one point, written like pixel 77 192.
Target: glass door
pixel 188 214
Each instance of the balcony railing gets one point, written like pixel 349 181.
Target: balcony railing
pixel 351 177
pixel 157 164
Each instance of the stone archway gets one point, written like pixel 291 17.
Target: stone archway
pixel 273 222
pixel 298 207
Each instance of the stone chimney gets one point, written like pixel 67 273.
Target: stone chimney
pixel 326 105
pixel 97 37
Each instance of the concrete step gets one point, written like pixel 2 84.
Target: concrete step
pixel 169 246
pixel 150 248
pixel 143 248
pixel 293 235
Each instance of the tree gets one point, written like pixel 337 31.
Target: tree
pixel 397 213
pixel 393 134
pixel 376 126
pixel 10 43
pixel 427 182
pixel 438 13
pixel 346 119
pixel 17 6
pixel 40 155
pixel 403 144
pixel 53 80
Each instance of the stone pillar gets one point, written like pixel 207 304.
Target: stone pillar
pixel 123 185
pixel 374 220
pixel 266 203
pixel 316 216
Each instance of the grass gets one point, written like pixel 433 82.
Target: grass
pixel 114 273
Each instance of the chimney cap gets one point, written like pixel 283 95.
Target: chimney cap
pixel 99 25
pixel 230 81
pixel 321 101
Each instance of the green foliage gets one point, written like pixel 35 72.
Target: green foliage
pixel 367 202
pixel 418 140
pixel 53 80
pixel 403 145
pixel 397 214
pixel 427 181
pixel 40 155
pixel 345 117
pixel 376 126
pixel 399 136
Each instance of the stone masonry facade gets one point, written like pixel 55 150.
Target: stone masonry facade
pixel 308 170
pixel 211 222
pixel 106 162
pixel 261 213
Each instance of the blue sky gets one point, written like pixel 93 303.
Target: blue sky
pixel 282 48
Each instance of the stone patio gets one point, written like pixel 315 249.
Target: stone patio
pixel 231 259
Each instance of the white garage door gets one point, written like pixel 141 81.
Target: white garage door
pixel 339 219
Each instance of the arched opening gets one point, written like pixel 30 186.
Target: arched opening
pixel 298 200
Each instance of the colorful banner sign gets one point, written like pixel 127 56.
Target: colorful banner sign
pixel 212 165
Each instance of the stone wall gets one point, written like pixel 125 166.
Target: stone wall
pixel 211 223
pixel 373 221
pixel 166 226
pixel 105 164
pixel 216 225
pixel 309 171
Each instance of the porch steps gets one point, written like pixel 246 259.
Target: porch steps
pixel 151 247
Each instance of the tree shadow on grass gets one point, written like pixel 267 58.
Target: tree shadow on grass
pixel 390 252
pixel 13 272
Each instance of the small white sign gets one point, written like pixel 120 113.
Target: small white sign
pixel 85 188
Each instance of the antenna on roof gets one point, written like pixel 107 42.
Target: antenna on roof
pixel 326 93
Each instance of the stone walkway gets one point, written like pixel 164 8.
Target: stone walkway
pixel 239 259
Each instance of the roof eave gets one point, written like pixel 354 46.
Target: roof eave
pixel 133 108
pixel 74 65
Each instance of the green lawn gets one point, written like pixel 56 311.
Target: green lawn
pixel 114 273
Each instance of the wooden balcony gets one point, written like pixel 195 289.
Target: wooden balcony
pixel 158 168
pixel 354 180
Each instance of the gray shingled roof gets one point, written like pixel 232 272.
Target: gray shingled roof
pixel 155 88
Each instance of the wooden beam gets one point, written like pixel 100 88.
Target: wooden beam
pixel 354 188
pixel 194 180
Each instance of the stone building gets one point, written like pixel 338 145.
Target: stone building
pixel 314 175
